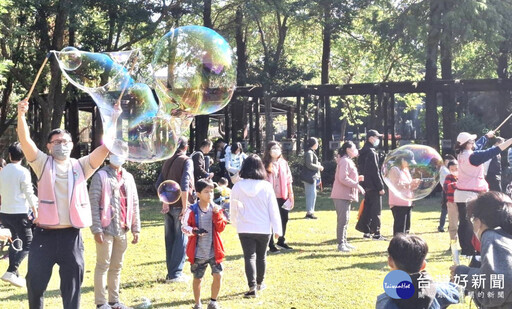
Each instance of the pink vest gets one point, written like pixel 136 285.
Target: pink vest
pixel 284 175
pixel 471 178
pixel 403 180
pixel 79 205
pixel 106 206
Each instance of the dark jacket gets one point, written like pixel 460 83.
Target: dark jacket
pixel 199 165
pixel 368 164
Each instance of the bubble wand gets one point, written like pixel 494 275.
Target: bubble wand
pixel 503 122
pixel 38 75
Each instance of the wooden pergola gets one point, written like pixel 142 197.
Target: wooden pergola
pixel 381 98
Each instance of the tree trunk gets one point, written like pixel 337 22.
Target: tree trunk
pixel 434 32
pixel 238 110
pixel 269 125
pixel 203 121
pixel 449 104
pixel 327 154
pixel 505 99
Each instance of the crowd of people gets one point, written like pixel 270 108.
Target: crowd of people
pixel 254 194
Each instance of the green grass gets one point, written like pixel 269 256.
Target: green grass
pixel 314 275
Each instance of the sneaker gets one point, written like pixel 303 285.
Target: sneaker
pixel 213 305
pixel 196 306
pixel 440 229
pixel 119 305
pixel 180 278
pixel 311 216
pixel 274 250
pixel 350 246
pixel 250 294
pixel 104 306
pixel 284 246
pixel 343 248
pixel 13 279
pixel 379 237
pixel 367 235
pixel 261 287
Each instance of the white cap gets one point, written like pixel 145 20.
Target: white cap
pixel 464 137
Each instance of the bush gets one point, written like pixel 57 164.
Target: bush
pixel 145 175
pixel 296 164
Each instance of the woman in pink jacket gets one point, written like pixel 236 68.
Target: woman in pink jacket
pixel 403 182
pixel 345 190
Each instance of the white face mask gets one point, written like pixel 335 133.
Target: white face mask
pixel 275 153
pixel 62 152
pixel 116 160
pixel 376 143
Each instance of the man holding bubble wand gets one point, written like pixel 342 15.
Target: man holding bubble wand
pixel 62 193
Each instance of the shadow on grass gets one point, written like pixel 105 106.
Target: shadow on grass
pixel 47 294
pixel 191 302
pixel 372 265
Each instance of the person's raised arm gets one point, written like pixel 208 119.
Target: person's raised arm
pixel 97 157
pixel 27 144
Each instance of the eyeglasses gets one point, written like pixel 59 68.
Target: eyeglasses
pixel 60 142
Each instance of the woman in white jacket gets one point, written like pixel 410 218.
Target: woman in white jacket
pixel 254 214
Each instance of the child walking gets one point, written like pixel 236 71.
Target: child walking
pixel 202 223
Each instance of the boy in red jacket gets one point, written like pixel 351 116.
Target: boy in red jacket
pixel 203 222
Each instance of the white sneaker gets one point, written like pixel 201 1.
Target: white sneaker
pixel 119 305
pixel 181 278
pixel 343 248
pixel 14 280
pixel 104 306
pixel 350 246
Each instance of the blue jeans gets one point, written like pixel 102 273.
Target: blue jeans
pixel 175 243
pixel 310 190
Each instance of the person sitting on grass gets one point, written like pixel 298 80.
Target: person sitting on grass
pixel 221 195
pixel 202 223
pixel 407 253
pixel 491 217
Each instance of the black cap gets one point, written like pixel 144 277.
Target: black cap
pixel 372 132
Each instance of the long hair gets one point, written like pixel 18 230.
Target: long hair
pixel 267 159
pixel 460 147
pixel 311 142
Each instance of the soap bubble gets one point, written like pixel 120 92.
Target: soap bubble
pixel 194 70
pixel 134 124
pixel 169 192
pixel 412 171
pixel 69 58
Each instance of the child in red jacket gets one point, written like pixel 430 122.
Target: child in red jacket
pixel 203 222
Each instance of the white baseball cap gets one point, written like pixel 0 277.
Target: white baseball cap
pixel 464 137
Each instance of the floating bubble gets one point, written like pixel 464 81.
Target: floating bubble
pixel 135 126
pixel 169 192
pixel 69 58
pixel 194 70
pixel 412 171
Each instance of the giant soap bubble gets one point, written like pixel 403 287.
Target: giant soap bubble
pixel 194 70
pixel 412 171
pixel 135 126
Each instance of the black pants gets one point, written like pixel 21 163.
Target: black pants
pixel 284 221
pixel 402 216
pixel 370 218
pixel 465 231
pixel 20 228
pixel 494 182
pixel 254 247
pixel 49 247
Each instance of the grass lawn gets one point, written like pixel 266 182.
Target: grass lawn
pixel 313 275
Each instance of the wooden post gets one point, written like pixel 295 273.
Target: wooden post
pixel 299 116
pixel 392 120
pixel 227 125
pixel 251 123
pixel 72 117
pixel 385 117
pixel 289 123
pixel 379 112
pixel 317 108
pixel 371 120
pixel 258 131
